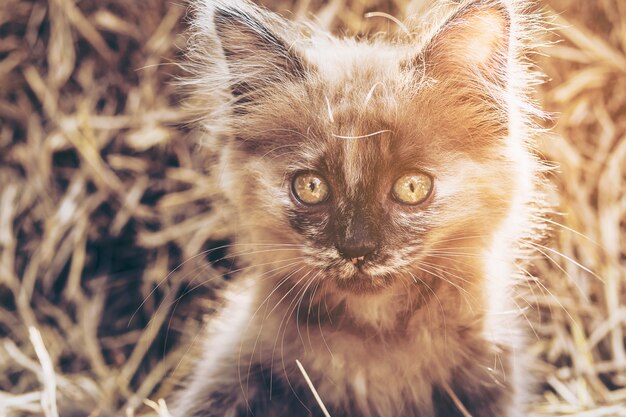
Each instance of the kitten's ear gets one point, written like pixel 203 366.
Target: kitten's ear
pixel 256 45
pixel 475 39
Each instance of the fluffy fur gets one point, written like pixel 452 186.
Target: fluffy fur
pixel 427 325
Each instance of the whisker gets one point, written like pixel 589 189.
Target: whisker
pixel 330 110
pixel 531 280
pixel 443 311
pixel 438 275
pixel 467 237
pixel 443 269
pixel 308 314
pixel 203 253
pixel 209 268
pixel 187 291
pixel 390 17
pixel 319 320
pixel 558 302
pixel 260 329
pixel 556 252
pixel 285 319
pixel 290 145
pixel 569 229
pixel 299 305
pixel 363 136
pixel 567 274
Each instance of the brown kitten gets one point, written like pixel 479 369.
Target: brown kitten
pixel 380 190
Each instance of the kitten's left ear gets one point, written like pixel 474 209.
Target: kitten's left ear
pixel 476 39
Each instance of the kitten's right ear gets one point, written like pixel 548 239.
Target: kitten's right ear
pixel 256 45
pixel 476 39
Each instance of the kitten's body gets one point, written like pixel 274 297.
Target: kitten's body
pixel 356 371
pixel 424 323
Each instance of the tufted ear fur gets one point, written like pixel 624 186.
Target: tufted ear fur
pixel 475 40
pixel 257 46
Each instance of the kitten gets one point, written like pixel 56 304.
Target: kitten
pixel 380 190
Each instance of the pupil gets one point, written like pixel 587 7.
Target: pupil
pixel 412 187
pixel 312 186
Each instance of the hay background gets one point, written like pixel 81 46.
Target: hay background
pixel 102 196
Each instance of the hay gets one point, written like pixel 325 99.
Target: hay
pixel 104 203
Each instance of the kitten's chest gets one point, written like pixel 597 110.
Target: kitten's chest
pixel 372 376
pixel 371 356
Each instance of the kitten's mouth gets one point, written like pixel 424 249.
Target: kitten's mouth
pixel 361 282
pixel 358 261
pixel 361 275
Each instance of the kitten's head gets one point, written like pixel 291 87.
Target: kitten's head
pixel 381 161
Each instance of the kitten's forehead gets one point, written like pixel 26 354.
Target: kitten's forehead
pixel 361 100
pixel 374 117
pixel 361 63
pixel 353 163
pixel 363 159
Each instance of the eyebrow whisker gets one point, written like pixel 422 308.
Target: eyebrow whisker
pixel 363 136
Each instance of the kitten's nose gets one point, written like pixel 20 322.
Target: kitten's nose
pixel 357 252
pixel 358 240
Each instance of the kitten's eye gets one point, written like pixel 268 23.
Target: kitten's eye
pixel 413 188
pixel 310 188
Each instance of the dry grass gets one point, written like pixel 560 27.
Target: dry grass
pixel 102 196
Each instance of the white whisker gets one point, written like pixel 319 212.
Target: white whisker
pixel 330 110
pixel 363 136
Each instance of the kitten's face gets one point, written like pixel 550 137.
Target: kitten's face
pixel 371 207
pixel 383 162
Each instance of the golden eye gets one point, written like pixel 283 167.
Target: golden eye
pixel 413 188
pixel 310 188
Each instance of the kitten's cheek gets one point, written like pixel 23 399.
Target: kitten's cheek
pixel 311 224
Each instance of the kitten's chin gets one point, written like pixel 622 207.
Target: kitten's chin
pixel 361 282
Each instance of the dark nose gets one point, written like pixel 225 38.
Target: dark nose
pixel 357 249
pixel 358 239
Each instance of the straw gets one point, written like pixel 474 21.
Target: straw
pixel 105 203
